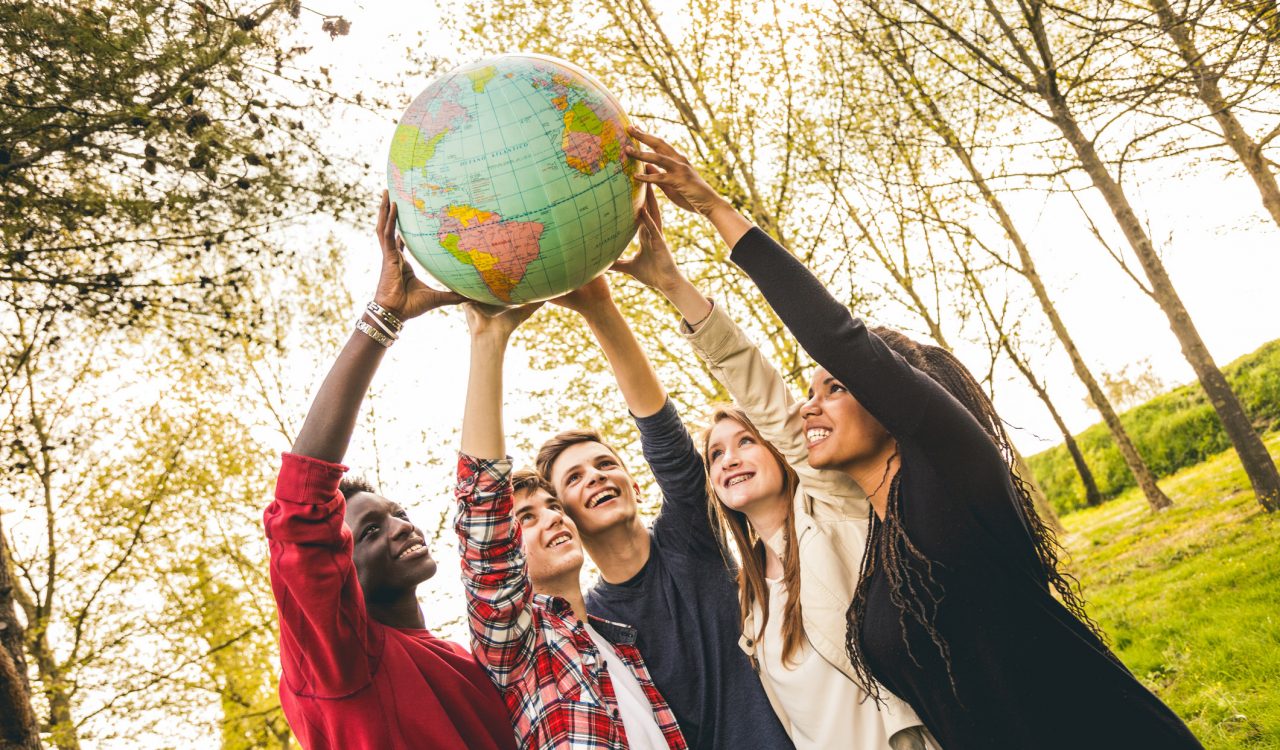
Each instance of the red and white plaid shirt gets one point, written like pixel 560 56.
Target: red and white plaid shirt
pixel 542 659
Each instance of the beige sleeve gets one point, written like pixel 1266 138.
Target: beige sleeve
pixel 759 390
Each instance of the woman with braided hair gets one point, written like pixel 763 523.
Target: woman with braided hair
pixel 960 608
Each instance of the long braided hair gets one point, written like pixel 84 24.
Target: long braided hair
pixel 913 590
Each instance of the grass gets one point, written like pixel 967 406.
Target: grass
pixel 1190 597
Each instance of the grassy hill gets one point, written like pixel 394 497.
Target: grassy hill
pixel 1172 431
pixel 1191 597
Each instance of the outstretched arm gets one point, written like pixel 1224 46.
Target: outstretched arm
pixel 639 384
pixel 324 627
pixel 755 385
pixel 499 595
pixel 332 418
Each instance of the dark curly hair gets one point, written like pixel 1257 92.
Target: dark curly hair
pixel 913 589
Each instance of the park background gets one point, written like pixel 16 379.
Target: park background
pixel 189 190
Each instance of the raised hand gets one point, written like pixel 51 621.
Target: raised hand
pixel 497 322
pixel 654 266
pixel 678 180
pixel 589 299
pixel 399 289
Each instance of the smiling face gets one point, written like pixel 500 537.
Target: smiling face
pixel 390 553
pixel 594 486
pixel 551 545
pixel 840 433
pixel 745 474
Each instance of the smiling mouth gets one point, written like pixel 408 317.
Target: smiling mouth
pixel 417 549
pixel 816 435
pixel 559 540
pixel 739 479
pixel 601 498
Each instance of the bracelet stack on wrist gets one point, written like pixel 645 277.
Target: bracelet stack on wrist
pixel 388 325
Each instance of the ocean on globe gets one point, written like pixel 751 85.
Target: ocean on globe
pixel 510 180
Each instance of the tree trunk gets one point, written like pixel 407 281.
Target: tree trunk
pixel 1142 475
pixel 1253 454
pixel 1206 80
pixel 18 727
pixel 1092 496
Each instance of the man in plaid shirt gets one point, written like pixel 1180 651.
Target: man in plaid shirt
pixel 568 682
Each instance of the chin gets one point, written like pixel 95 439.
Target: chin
pixel 427 571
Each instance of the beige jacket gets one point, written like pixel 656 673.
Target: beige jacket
pixel 831 510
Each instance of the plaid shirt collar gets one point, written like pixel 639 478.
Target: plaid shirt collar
pixel 613 632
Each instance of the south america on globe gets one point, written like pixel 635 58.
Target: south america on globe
pixel 510 181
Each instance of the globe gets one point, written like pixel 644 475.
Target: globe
pixel 509 179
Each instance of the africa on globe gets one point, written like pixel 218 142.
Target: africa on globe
pixel 510 179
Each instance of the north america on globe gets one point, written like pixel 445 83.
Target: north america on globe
pixel 510 179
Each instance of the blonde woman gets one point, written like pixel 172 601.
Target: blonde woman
pixel 793 594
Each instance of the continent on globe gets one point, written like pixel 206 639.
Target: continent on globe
pixel 592 135
pixel 500 250
pixel 480 77
pixel 414 145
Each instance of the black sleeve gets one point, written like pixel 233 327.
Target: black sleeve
pixel 909 403
pixel 682 522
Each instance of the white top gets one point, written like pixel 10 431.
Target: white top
pixel 822 705
pixel 643 732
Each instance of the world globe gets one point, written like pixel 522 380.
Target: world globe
pixel 510 181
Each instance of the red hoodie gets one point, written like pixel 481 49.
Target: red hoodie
pixel 350 682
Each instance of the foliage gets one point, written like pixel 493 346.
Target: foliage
pixel 1172 431
pixel 1188 597
pixel 148 148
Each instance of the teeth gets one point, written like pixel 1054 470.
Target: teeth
pixel 412 548
pixel 739 479
pixel 816 434
pixel 560 541
pixel 606 495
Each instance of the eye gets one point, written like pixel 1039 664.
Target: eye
pixel 837 388
pixel 608 462
pixel 746 440
pixel 716 453
pixel 402 513
pixel 524 518
pixel 368 531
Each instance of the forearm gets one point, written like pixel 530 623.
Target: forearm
pixel 638 382
pixel 691 303
pixel 327 430
pixel 730 224
pixel 482 434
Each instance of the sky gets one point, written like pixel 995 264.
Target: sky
pixel 1209 227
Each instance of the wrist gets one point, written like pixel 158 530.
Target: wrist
pixel 718 207
pixel 395 308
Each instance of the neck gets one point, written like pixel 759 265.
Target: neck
pixel 398 611
pixel 567 587
pixel 767 517
pixel 874 475
pixel 620 552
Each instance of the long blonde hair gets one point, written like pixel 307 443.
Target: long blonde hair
pixel 733 525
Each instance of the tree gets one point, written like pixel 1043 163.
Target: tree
pixel 1043 63
pixel 143 166
pixel 917 84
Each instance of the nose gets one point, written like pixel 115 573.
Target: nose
pixel 400 528
pixel 553 518
pixel 730 458
pixel 810 408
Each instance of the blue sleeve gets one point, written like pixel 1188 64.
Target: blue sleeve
pixel 684 522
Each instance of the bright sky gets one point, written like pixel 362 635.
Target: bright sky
pixel 1222 255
